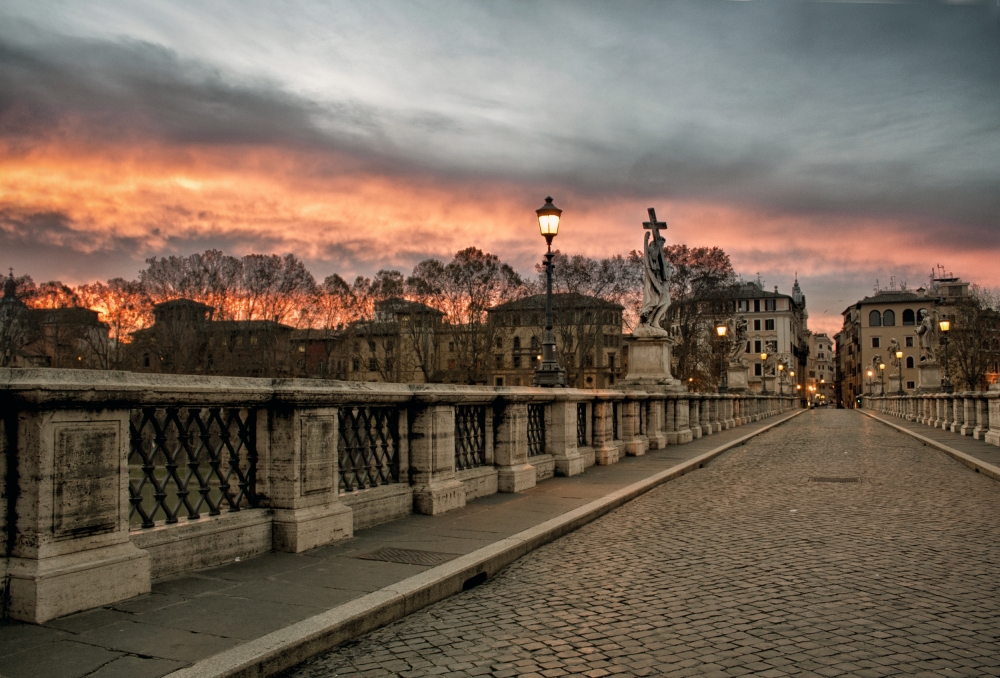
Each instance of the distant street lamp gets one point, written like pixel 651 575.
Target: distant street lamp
pixel 763 372
pixel 870 373
pixel 549 373
pixel 881 376
pixel 899 367
pixel 945 326
pixel 721 329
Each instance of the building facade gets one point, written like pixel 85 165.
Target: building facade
pixel 821 370
pixel 876 327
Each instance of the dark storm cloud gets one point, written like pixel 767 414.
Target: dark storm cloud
pixel 874 110
pixel 127 90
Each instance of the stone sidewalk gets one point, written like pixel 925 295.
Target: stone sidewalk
pixel 979 449
pixel 189 618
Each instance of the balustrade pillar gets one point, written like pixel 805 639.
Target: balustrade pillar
pixel 635 443
pixel 304 479
pixel 982 416
pixel 705 415
pixel 561 437
pixel 656 426
pixel 605 447
pixel 70 548
pixel 514 473
pixel 683 419
pixel 992 435
pixel 694 412
pixel 436 489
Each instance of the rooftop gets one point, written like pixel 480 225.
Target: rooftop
pixel 536 302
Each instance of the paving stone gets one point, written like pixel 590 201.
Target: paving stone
pixel 742 568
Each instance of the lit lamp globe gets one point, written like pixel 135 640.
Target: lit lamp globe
pixel 763 356
pixel 899 355
pixel 945 325
pixel 721 329
pixel 870 373
pixel 548 220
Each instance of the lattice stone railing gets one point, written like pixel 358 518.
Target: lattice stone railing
pixel 470 436
pixel 190 460
pixel 536 430
pixel 369 447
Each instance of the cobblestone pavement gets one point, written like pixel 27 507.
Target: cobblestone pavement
pixel 745 567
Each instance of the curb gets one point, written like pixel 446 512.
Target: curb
pixel 287 647
pixel 977 465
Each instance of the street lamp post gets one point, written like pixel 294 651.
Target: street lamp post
pixel 945 326
pixel 549 373
pixel 781 378
pixel 721 329
pixel 763 372
pixel 881 377
pixel 870 373
pixel 899 368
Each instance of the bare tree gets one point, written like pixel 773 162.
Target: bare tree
pixel 124 307
pixel 974 337
pixel 702 288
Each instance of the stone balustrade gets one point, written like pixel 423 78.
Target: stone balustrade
pixel 967 413
pixel 112 479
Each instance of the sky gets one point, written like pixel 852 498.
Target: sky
pixel 848 143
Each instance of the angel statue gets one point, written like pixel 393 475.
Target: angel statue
pixel 656 284
pixel 927 322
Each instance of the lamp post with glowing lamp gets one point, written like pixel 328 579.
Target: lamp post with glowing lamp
pixel 781 378
pixel 721 329
pixel 763 372
pixel 881 376
pixel 870 373
pixel 549 373
pixel 945 326
pixel 899 368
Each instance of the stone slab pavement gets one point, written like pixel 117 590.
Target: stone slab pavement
pixel 189 618
pixel 829 546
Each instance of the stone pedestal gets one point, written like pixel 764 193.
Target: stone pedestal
pixel 71 548
pixel 928 377
pixel 649 359
pixel 305 477
pixel 738 378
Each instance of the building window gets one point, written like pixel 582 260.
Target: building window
pixel 757 346
pixel 611 361
pixel 876 342
pixel 908 341
pixel 889 318
pixel 911 384
pixel 517 343
pixel 499 381
pixel 517 361
pixel 874 319
pixel 355 365
pixel 744 306
pixel 756 305
pixel 770 305
pixel 909 318
pixel 451 346
pixel 909 362
pixel 757 370
pixel 372 364
pixel 812 373
pixel 748 347
pixel 534 342
pixel 588 361
pixel 756 325
pixel 500 345
pixel 769 324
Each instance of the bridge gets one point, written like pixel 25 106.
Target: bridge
pixel 225 527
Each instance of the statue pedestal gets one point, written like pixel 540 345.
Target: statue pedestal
pixel 649 359
pixel 738 378
pixel 928 378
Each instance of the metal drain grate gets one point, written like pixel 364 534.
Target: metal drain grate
pixel 408 556
pixel 835 480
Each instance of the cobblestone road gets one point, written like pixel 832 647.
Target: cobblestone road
pixel 743 568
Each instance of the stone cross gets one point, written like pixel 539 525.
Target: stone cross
pixel 654 225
